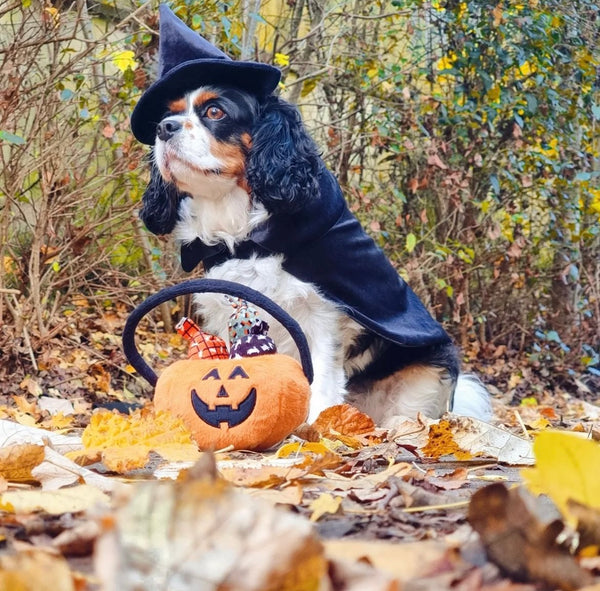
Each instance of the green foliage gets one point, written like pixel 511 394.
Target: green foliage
pixel 471 149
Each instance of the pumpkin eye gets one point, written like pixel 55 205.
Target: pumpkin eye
pixel 212 374
pixel 238 372
pixel 214 113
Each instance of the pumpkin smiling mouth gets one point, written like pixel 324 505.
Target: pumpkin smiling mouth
pixel 224 413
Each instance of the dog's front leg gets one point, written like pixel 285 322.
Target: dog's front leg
pixel 328 386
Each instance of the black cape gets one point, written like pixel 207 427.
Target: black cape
pixel 324 244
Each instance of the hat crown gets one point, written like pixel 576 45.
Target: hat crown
pixel 178 43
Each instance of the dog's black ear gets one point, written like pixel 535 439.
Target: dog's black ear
pixel 283 164
pixel 160 203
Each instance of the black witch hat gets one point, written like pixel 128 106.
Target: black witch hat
pixel 186 62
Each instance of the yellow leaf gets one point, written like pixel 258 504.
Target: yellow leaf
pixel 446 62
pixel 566 468
pixel 302 447
pixel 539 424
pixel 55 502
pixel 411 242
pixel 59 421
pixel 124 60
pixel 323 504
pixel 35 570
pixel 125 441
pixel 527 68
pixel 282 59
pixel 107 429
pixel 493 93
pixel 17 461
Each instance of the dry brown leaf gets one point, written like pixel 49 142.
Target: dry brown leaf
pixel 344 419
pixel 588 527
pixel 523 547
pixel 307 432
pixel 17 461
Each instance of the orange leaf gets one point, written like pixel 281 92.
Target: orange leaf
pixel 441 442
pixel 343 419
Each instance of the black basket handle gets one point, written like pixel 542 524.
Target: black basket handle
pixel 210 286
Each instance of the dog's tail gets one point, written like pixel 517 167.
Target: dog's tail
pixel 471 398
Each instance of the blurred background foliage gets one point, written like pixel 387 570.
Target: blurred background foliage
pixel 465 136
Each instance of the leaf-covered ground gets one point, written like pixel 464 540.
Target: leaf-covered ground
pixel 93 498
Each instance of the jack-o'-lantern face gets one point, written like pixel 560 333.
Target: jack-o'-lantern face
pixel 247 403
pixel 229 400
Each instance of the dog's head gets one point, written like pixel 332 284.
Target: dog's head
pixel 213 139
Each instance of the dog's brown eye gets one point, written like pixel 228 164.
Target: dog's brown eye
pixel 214 113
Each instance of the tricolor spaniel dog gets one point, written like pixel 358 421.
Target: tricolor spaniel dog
pixel 241 186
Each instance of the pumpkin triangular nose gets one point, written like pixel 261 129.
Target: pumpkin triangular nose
pixel 222 393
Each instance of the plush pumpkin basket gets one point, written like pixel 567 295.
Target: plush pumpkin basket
pixel 246 402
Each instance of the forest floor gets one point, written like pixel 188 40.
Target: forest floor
pixel 99 492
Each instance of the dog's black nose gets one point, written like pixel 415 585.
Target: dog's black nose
pixel 167 128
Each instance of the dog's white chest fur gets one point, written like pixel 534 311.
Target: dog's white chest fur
pixel 228 219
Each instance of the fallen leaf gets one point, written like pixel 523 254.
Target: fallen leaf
pixel 59 421
pixel 57 471
pixel 35 570
pixel 482 439
pixel 344 419
pixel 588 527
pixel 323 504
pixel 523 547
pixel 125 459
pixel 402 561
pixel 564 470
pixel 124 442
pixel 17 461
pixel 359 576
pixel 302 447
pixel 307 432
pixel 441 442
pixel 12 433
pixel 56 502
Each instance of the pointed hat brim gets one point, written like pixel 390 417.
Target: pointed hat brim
pixel 187 61
pixel 258 79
